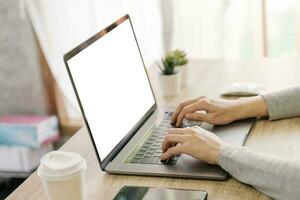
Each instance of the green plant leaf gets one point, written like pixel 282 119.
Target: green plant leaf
pixel 171 60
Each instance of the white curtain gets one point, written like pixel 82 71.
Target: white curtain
pixel 217 29
pixel 198 27
pixel 203 28
pixel 60 25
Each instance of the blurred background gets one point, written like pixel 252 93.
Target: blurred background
pixel 34 35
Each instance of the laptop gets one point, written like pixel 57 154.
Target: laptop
pixel 120 111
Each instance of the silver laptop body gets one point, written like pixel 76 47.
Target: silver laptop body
pixel 120 112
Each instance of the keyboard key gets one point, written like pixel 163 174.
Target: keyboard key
pixel 153 160
pixel 171 162
pixel 151 151
pixel 149 142
pixel 145 160
pixel 174 158
pixel 151 138
pixel 147 155
pixel 134 160
pixel 156 145
pixel 137 156
pixel 146 146
pixel 159 151
pixel 157 154
pixel 159 162
pixel 142 151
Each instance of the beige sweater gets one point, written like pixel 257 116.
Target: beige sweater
pixel 276 177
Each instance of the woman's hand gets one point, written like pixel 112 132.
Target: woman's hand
pixel 219 111
pixel 196 142
pixel 216 111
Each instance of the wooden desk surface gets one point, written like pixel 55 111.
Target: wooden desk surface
pixel 281 138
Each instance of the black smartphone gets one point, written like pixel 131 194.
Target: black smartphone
pixel 150 193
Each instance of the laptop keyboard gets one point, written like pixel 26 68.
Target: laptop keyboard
pixel 149 150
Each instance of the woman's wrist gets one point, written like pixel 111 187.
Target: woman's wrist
pixel 219 155
pixel 250 107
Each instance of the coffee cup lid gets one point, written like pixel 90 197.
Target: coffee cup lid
pixel 58 165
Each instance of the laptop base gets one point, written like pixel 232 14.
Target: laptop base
pixel 186 166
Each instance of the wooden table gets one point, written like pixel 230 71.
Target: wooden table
pixel 281 138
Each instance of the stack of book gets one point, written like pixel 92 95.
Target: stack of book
pixel 24 139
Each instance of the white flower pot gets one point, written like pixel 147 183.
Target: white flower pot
pixel 169 84
pixel 183 71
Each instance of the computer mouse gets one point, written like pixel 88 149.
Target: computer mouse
pixel 241 89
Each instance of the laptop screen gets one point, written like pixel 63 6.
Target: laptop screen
pixel 112 85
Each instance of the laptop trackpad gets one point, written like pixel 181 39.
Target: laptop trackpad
pixel 189 164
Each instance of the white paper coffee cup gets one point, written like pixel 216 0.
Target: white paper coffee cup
pixel 63 174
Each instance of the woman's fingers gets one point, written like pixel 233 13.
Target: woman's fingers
pixel 199 105
pixel 171 140
pixel 178 149
pixel 198 117
pixel 179 108
pixel 179 131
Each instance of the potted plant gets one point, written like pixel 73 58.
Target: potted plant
pixel 181 66
pixel 169 78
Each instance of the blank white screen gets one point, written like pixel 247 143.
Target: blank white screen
pixel 112 86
